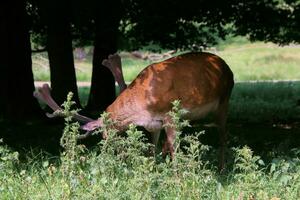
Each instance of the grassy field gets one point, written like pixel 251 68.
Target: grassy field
pixel 256 102
pixel 117 168
pixel 41 160
pixel 262 159
pixel 248 61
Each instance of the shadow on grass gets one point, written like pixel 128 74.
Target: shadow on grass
pixel 264 116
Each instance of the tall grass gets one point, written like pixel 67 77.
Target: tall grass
pixel 119 169
pixel 261 61
pixel 265 102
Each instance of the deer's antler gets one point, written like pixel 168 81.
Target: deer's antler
pixel 113 63
pixel 43 94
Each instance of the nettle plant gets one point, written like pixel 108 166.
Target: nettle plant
pixel 8 160
pixel 146 101
pixel 131 148
pixel 195 149
pixel 125 156
pixel 73 156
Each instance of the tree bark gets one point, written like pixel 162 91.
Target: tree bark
pixel 63 76
pixel 102 92
pixel 60 51
pixel 16 77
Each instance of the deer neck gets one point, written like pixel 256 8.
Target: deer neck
pixel 123 111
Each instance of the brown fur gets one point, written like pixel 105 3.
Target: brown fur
pixel 194 78
pixel 201 81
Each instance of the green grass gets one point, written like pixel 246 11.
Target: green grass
pixel 107 176
pixel 262 61
pixel 117 168
pixel 249 61
pixel 265 102
pixel 261 116
pixel 256 102
pixel 132 67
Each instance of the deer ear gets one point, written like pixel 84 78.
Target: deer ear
pixel 90 126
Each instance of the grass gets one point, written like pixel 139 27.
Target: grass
pixel 130 175
pixel 256 102
pixel 265 102
pixel 249 61
pixel 262 61
pixel 262 159
pixel 117 168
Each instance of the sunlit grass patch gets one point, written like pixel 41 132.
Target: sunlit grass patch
pixel 248 61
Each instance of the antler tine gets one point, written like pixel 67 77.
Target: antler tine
pixel 84 136
pixel 114 64
pixel 43 94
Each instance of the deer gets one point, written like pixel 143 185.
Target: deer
pixel 202 82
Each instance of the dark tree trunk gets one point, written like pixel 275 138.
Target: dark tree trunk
pixel 102 92
pixel 16 77
pixel 60 51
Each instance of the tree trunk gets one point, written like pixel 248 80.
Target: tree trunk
pixel 102 92
pixel 16 77
pixel 60 51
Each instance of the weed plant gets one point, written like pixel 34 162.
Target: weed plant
pixel 118 168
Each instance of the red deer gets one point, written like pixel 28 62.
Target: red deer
pixel 201 81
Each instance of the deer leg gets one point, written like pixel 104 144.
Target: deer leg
pixel 155 136
pixel 221 119
pixel 114 64
pixel 168 146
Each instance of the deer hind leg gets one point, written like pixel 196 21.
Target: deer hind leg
pixel 168 146
pixel 155 137
pixel 221 119
pixel 154 134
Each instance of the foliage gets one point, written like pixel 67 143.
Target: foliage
pixel 253 18
pixel 184 25
pixel 118 169
pixel 71 159
pixel 172 24
pixel 8 159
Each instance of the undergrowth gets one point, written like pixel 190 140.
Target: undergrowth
pixel 119 168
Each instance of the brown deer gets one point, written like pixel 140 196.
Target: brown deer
pixel 201 81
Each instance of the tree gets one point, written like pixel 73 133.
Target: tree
pixel 17 86
pixel 170 24
pixel 56 16
pixel 175 24
pixel 94 23
pixel 107 18
pixel 178 24
pixel 269 20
